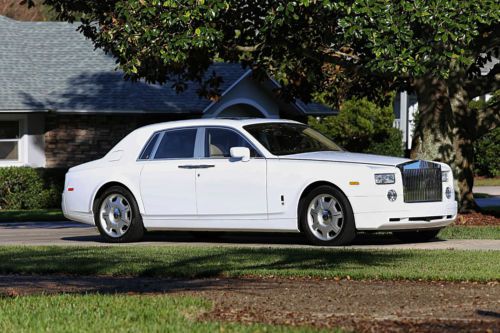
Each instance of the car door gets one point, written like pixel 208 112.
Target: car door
pixel 229 188
pixel 167 180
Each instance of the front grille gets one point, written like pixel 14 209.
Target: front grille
pixel 421 181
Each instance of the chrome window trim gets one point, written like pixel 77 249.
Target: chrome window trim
pixel 199 146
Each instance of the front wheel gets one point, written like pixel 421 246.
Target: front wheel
pixel 326 217
pixel 117 216
pixel 418 236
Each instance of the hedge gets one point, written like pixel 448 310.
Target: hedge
pixel 28 188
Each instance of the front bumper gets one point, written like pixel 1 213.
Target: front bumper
pixel 372 215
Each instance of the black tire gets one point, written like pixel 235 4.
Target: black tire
pixel 418 236
pixel 135 230
pixel 347 231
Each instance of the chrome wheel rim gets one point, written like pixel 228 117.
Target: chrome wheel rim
pixel 325 217
pixel 115 215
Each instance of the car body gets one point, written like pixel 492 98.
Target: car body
pixel 207 190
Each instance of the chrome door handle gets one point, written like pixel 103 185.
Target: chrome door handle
pixel 187 166
pixel 205 166
pixel 200 166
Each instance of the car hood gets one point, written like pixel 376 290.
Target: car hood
pixel 342 156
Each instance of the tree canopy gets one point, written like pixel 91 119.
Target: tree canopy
pixel 343 47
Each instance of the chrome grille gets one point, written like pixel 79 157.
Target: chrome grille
pixel 421 181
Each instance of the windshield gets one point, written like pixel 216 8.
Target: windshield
pixel 288 138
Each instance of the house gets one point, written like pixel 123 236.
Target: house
pixel 63 103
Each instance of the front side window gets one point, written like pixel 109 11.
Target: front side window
pixel 219 141
pixel 288 138
pixel 10 135
pixel 177 144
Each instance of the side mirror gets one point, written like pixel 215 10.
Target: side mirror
pixel 241 153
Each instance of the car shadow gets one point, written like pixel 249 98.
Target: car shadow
pixel 44 225
pixel 219 238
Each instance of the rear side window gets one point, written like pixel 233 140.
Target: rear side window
pixel 148 150
pixel 177 144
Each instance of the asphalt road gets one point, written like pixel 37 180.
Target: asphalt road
pixel 76 234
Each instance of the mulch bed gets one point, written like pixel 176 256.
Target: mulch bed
pixel 477 219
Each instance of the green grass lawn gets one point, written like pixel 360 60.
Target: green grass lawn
pixel 470 232
pixel 210 261
pixel 31 215
pixel 116 313
pixel 487 181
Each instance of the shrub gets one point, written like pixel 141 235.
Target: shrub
pixel 24 188
pixel 391 144
pixel 487 154
pixel 362 126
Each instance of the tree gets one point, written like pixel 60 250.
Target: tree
pixel 435 48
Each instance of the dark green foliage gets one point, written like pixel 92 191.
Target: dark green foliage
pixel 487 147
pixel 487 154
pixel 24 188
pixel 53 178
pixel 339 47
pixel 362 126
pixel 391 145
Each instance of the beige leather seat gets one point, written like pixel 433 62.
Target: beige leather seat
pixel 215 151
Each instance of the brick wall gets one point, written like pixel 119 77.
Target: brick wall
pixel 74 139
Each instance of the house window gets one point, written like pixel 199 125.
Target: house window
pixel 10 137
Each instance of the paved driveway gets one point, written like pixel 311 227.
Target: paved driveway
pixel 71 233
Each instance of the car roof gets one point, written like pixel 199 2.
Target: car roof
pixel 229 122
pixel 136 140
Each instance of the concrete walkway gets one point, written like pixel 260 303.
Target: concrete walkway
pixel 491 190
pixel 76 234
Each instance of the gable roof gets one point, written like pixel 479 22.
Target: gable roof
pixel 50 66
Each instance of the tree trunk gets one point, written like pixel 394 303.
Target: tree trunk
pixel 445 132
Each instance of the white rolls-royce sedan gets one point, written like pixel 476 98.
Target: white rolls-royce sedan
pixel 255 175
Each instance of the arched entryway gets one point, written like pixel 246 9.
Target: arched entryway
pixel 240 111
pixel 241 108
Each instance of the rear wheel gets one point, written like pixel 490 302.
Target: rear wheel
pixel 326 217
pixel 418 236
pixel 117 216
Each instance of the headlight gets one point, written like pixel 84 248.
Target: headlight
pixel 385 178
pixel 444 176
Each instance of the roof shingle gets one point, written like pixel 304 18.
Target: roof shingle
pixel 51 66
